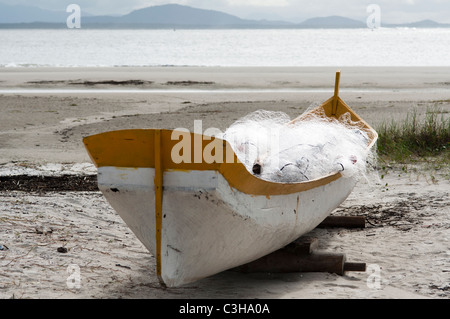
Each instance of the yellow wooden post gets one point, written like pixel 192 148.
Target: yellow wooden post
pixel 158 199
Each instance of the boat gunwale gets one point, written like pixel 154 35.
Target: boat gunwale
pixel 136 148
pixel 237 175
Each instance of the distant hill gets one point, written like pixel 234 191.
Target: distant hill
pixel 25 14
pixel 173 16
pixel 332 22
pixel 419 24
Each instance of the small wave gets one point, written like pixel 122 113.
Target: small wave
pixel 33 65
pixel 22 65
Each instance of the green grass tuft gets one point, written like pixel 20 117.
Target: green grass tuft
pixel 414 139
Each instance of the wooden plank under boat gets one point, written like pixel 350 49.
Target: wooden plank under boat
pixel 201 217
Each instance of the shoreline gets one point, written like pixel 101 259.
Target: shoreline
pixel 390 77
pixel 234 77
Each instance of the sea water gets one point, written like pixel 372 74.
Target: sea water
pixel 235 47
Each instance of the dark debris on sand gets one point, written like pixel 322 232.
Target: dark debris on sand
pixel 401 214
pixel 68 183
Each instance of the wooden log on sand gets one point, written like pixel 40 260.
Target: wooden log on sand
pixel 344 222
pixel 299 256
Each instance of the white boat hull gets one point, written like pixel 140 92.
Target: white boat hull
pixel 207 225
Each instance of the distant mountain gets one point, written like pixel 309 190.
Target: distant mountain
pixel 173 16
pixel 419 24
pixel 332 22
pixel 25 14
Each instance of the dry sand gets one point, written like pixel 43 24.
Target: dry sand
pixel 44 235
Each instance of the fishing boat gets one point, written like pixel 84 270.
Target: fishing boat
pixel 202 215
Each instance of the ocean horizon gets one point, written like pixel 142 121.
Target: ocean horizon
pixel 29 48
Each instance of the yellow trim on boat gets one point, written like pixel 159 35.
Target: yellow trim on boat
pixel 235 172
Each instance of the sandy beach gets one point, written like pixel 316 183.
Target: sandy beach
pixel 46 235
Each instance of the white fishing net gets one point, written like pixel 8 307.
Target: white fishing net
pixel 274 149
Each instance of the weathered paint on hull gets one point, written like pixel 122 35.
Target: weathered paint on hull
pixel 207 225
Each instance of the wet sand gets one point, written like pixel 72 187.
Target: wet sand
pixel 46 230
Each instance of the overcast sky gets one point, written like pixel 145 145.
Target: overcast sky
pixel 392 11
